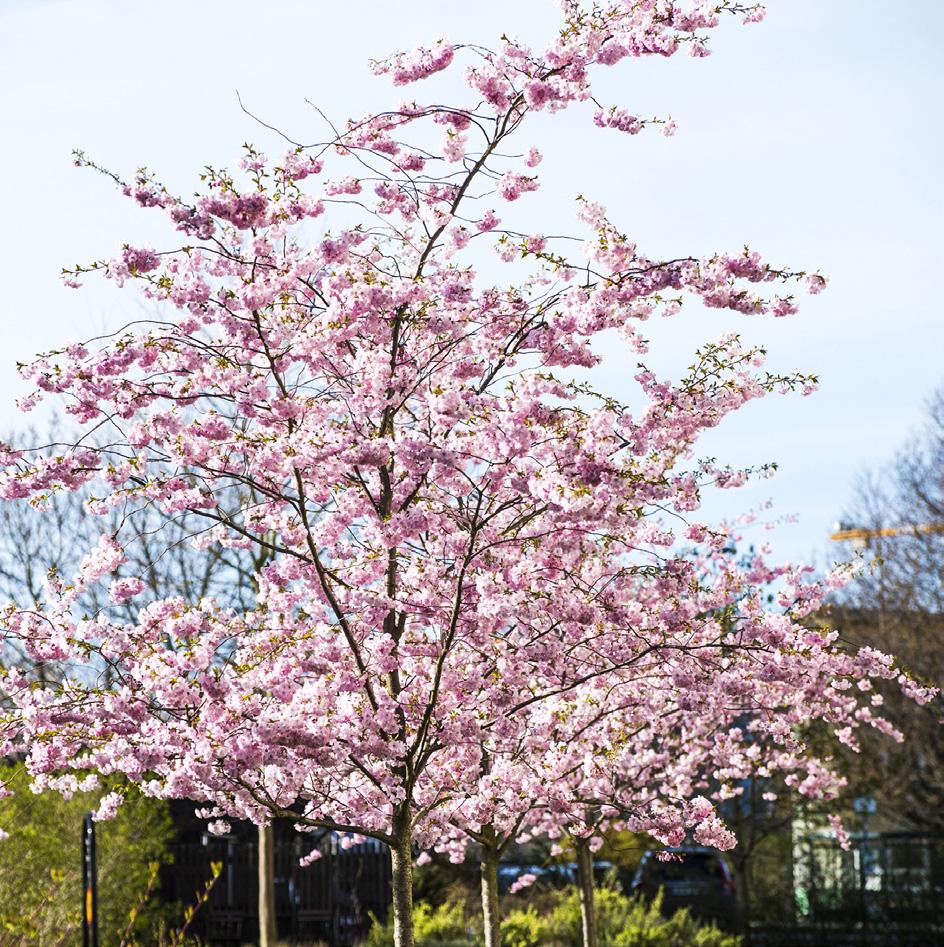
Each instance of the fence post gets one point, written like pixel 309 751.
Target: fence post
pixel 89 885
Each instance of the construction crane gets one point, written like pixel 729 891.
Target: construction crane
pixel 859 536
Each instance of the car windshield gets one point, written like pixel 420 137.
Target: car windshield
pixel 685 866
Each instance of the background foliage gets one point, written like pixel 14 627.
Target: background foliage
pixel 41 872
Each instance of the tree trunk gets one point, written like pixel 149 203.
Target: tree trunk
pixel 268 933
pixel 588 913
pixel 491 910
pixel 742 881
pixel 401 855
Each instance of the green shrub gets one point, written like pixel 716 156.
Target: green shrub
pixel 642 925
pixel 41 869
pixel 525 928
pixel 443 926
pixel 622 922
pixel 630 922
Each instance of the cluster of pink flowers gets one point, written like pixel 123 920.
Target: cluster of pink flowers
pixel 511 186
pixel 140 260
pixel 420 63
pixel 618 118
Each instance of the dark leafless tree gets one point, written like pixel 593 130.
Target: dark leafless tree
pixel 897 605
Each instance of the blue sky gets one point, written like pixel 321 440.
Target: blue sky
pixel 815 137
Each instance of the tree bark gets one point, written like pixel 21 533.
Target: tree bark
pixel 588 913
pixel 268 933
pixel 741 869
pixel 401 855
pixel 491 910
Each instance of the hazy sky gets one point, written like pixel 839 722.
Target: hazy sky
pixel 815 137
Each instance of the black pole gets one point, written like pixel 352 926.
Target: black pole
pixel 89 885
pixel 863 855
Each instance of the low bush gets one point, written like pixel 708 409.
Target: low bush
pixel 442 926
pixel 623 922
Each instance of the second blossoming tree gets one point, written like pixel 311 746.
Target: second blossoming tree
pixel 456 533
pixel 730 690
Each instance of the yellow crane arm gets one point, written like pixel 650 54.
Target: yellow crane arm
pixel 861 534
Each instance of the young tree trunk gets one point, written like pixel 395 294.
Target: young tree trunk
pixel 743 897
pixel 588 913
pixel 401 854
pixel 491 912
pixel 268 933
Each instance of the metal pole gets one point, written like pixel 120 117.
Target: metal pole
pixel 864 855
pixel 89 885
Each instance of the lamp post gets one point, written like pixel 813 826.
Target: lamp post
pixel 89 885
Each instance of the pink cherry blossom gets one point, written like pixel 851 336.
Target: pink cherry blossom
pixel 124 589
pixel 420 63
pixel 511 186
pixel 533 158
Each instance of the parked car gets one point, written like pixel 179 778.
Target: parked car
pixel 690 877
